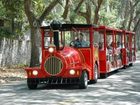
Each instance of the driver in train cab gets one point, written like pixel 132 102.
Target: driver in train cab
pixel 80 41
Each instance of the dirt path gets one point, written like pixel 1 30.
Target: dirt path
pixel 7 75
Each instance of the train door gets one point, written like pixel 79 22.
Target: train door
pixel 95 39
pixel 102 52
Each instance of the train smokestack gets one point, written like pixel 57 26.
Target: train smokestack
pixel 55 26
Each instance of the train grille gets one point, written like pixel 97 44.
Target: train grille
pixel 53 65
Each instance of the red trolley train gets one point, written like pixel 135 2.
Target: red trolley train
pixel 80 54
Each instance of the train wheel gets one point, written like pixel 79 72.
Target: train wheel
pixel 131 64
pixel 124 67
pixel 95 75
pixel 83 80
pixel 103 75
pixel 32 83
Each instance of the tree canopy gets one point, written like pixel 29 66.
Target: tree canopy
pixel 19 15
pixel 119 13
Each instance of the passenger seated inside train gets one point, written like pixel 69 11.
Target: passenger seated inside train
pixel 101 46
pixel 118 47
pixel 110 48
pixel 118 44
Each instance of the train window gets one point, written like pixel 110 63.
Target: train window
pixel 67 37
pixel 127 41
pixel 133 41
pixel 133 45
pixel 119 43
pixel 47 39
pixel 122 44
pixel 101 41
pixel 77 39
pixel 96 37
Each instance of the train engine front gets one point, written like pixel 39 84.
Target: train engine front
pixel 61 62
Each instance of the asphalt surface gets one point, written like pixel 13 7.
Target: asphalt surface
pixel 121 88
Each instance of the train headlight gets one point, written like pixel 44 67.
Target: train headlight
pixel 51 49
pixel 72 72
pixel 35 72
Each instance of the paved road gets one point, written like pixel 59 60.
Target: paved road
pixel 122 88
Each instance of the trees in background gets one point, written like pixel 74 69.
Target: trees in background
pixel 12 15
pixel 130 14
pixel 124 14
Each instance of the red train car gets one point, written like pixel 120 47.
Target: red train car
pixel 79 54
pixel 130 48
pixel 116 49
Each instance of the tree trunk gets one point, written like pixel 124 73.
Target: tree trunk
pixel 12 25
pixel 66 11
pixel 35 24
pixel 88 11
pixel 78 7
pixel 136 26
pixel 96 15
pixel 87 14
pixel 76 10
pixel 34 47
pixel 124 13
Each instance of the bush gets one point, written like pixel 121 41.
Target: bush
pixel 4 32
